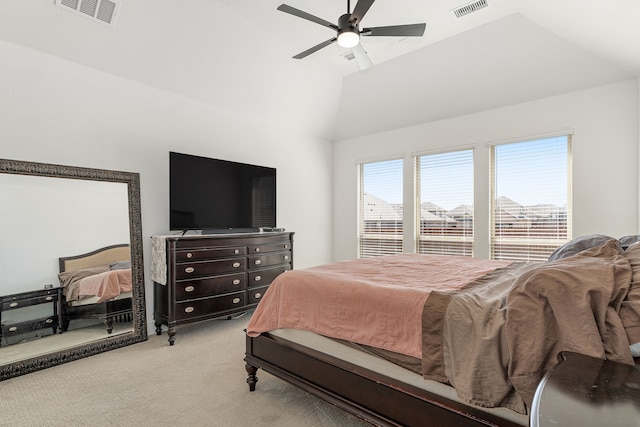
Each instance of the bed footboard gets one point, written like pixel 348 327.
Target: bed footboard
pixel 120 310
pixel 369 395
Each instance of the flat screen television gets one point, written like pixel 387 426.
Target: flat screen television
pixel 220 196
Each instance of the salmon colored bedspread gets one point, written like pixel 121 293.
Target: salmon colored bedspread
pixel 376 301
pixel 105 285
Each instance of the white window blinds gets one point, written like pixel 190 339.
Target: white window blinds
pixel 531 198
pixel 380 212
pixel 445 203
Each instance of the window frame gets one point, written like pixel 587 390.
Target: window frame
pixel 448 244
pixel 388 242
pixel 524 245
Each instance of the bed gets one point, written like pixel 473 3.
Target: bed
pixel 97 285
pixel 467 348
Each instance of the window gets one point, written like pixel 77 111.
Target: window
pixel 531 205
pixel 445 203
pixel 380 209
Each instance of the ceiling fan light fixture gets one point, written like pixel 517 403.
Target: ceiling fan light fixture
pixel 348 34
pixel 349 38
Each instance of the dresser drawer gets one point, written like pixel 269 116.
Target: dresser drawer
pixel 265 276
pixel 259 261
pixel 256 294
pixel 208 268
pixel 11 303
pixel 18 328
pixel 206 306
pixel 270 247
pixel 198 288
pixel 201 254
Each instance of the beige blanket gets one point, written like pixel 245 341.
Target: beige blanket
pixel 495 339
pixel 376 301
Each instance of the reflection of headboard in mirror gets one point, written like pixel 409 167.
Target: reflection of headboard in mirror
pixel 109 298
pixel 55 354
pixel 98 257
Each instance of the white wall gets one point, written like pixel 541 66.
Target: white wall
pixel 77 217
pixel 55 111
pixel 605 158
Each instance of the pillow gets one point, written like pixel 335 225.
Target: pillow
pixel 68 277
pixel 580 244
pixel 120 265
pixel 627 241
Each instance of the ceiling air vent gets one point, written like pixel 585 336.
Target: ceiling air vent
pixel 470 8
pixel 104 11
pixel 349 56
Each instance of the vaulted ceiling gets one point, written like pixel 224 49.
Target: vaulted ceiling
pixel 236 55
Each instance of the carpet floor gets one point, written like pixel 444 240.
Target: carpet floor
pixel 200 381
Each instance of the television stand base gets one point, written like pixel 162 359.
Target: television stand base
pixel 229 230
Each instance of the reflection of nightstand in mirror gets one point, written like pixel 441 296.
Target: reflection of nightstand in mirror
pixel 585 391
pixel 25 312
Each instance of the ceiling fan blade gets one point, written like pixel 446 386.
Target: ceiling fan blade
pixel 410 30
pixel 359 11
pixel 315 48
pixel 361 56
pixel 304 15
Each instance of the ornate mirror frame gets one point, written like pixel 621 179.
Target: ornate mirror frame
pixel 132 180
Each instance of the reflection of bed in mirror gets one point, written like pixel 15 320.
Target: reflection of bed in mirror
pixel 49 211
pixel 97 285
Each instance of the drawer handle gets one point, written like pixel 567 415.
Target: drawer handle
pixel 189 310
pixel 237 251
pixel 258 278
pixel 13 304
pixel 236 300
pixel 49 321
pixel 189 255
pixel 13 329
pixel 286 257
pixel 49 298
pixel 258 262
pixel 189 289
pixel 286 246
pixel 189 270
pixel 236 264
pixel 257 249
pixel 257 296
pixel 236 282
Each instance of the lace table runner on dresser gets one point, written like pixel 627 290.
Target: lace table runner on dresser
pixel 159 259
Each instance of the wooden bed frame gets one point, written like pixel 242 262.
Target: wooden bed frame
pixel 371 396
pixel 108 311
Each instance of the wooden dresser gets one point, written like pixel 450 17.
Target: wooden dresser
pixel 212 276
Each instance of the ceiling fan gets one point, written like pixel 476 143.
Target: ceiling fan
pixel 348 30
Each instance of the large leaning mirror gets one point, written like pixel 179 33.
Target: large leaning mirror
pixel 72 280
